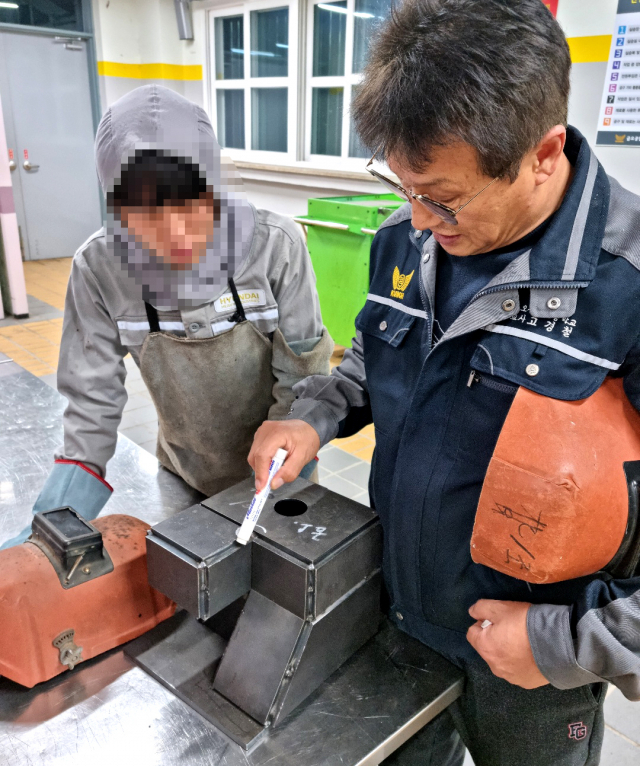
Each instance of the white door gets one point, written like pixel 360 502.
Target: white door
pixel 46 100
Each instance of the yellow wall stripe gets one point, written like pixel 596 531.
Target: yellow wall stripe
pixel 583 50
pixel 588 49
pixel 150 71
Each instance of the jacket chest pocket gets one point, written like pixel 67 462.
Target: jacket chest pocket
pixel 388 324
pixel 391 345
pixel 559 371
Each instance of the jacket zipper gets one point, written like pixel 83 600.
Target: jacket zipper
pixel 426 303
pixel 505 388
pixel 528 286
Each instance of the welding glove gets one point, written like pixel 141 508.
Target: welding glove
pixel 69 484
pixel 308 471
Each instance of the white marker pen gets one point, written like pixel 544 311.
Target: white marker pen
pixel 257 504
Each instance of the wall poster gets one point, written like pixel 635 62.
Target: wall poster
pixel 619 120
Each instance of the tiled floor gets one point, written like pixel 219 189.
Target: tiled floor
pixel 344 464
pixel 47 280
pixel 39 311
pixel 34 343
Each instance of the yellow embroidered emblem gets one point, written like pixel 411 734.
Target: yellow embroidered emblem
pixel 400 283
pixel 620 138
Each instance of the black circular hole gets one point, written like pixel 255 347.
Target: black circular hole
pixel 290 507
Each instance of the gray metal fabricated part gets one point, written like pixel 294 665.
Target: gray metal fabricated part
pixel 338 573
pixel 281 578
pixel 186 645
pixel 315 589
pixel 309 588
pixel 330 519
pixel 275 660
pixel 328 643
pixel 111 709
pixel 193 558
pixel 183 655
pixel 258 655
pixel 325 551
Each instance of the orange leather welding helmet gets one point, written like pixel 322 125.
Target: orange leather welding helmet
pixel 560 497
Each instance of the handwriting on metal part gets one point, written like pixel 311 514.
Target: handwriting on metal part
pixel 246 503
pixel 309 530
pixel 528 526
pixel 315 532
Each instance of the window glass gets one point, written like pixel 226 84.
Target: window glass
pixel 230 109
pixel 53 14
pixel 329 34
pixel 269 119
pixel 326 121
pixel 368 15
pixel 229 48
pixel 356 147
pixel 270 43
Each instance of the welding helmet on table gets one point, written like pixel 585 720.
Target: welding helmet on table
pixel 560 497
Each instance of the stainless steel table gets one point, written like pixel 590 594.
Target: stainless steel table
pixel 107 711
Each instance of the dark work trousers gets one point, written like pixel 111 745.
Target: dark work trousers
pixel 504 725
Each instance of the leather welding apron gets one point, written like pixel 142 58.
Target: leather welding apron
pixel 211 395
pixel 560 497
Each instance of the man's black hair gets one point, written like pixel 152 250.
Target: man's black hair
pixel 153 178
pixel 491 73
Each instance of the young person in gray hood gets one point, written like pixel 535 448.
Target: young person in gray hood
pixel 214 300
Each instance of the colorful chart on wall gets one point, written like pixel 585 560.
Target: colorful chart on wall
pixel 552 5
pixel 619 120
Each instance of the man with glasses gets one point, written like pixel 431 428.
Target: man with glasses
pixel 447 214
pixel 513 270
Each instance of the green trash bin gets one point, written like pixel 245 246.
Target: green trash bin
pixel 339 235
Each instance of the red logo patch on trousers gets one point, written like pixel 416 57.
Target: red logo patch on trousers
pixel 577 731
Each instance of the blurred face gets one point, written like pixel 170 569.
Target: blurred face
pixel 176 232
pixel 502 213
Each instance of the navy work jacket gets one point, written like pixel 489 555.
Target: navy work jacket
pixel 557 320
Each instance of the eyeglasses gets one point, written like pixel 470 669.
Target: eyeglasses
pixel 446 213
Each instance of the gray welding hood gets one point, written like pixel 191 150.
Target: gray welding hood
pixel 156 118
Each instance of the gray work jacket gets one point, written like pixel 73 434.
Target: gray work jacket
pixel 105 319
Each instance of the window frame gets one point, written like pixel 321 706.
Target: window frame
pixel 85 23
pixel 346 82
pixel 248 82
pixel 300 82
